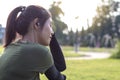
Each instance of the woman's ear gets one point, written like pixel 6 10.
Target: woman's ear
pixel 36 24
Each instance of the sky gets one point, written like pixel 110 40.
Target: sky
pixel 85 9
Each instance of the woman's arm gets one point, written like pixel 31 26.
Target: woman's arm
pixel 53 74
pixel 57 54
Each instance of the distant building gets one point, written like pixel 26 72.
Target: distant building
pixel 2 31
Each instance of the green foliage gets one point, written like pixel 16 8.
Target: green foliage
pixel 116 53
pixel 70 38
pixel 104 21
pixel 117 26
pixel 101 22
pixel 56 10
pixel 58 25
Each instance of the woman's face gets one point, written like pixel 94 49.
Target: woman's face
pixel 46 33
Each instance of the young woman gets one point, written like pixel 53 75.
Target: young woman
pixel 26 57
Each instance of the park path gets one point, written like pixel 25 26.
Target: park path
pixel 90 55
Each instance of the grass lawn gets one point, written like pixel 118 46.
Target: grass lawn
pixel 98 69
pixel 104 69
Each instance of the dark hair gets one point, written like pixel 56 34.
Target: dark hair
pixel 20 23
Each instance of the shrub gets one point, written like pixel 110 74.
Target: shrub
pixel 116 54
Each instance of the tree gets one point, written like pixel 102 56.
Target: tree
pixel 116 28
pixel 83 37
pixel 103 22
pixel 70 38
pixel 100 21
pixel 59 26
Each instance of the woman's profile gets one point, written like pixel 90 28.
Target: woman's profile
pixel 27 56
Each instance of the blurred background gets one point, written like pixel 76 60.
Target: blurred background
pixel 85 23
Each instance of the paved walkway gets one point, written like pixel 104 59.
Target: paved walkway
pixel 90 55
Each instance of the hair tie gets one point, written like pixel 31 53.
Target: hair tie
pixel 23 8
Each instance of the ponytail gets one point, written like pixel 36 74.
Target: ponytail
pixel 10 32
pixel 20 23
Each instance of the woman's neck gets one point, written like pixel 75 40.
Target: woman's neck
pixel 29 38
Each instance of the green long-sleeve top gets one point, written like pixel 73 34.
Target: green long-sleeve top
pixel 24 61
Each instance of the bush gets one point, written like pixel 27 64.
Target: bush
pixel 116 54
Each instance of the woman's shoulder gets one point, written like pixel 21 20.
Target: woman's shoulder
pixel 35 48
pixel 38 52
pixel 29 48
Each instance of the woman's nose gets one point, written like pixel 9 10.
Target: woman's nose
pixel 52 32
